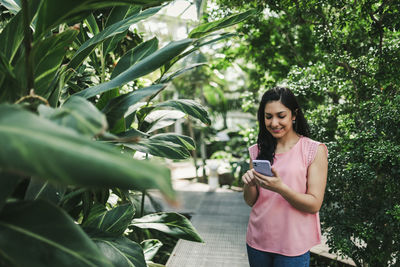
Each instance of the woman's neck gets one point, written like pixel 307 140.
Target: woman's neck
pixel 287 141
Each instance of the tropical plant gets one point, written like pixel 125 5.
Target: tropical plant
pixel 71 121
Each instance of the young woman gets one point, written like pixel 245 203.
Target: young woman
pixel 284 221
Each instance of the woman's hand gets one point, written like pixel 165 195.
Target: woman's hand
pixel 272 183
pixel 249 178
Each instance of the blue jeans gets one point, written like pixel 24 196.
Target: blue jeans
pixel 259 258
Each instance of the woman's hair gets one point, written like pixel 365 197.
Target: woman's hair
pixel 266 142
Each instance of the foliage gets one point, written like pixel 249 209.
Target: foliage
pixel 73 111
pixel 342 59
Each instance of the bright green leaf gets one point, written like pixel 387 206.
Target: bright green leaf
pixel 169 223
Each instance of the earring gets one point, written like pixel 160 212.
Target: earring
pixel 294 125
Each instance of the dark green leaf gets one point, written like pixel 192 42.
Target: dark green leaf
pixel 150 248
pixel 48 235
pixel 28 142
pixel 143 67
pixel 117 107
pixel 113 222
pixel 170 223
pixel 135 55
pixel 109 32
pixel 179 72
pixel 54 12
pixel 14 6
pixel 47 57
pixel 118 13
pixel 121 251
pixel 206 28
pixel 8 182
pixel 39 189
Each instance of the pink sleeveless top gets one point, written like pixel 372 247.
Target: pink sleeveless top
pixel 274 225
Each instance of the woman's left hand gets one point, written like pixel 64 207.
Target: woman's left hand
pixel 273 183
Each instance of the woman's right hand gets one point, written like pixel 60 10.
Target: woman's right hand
pixel 248 178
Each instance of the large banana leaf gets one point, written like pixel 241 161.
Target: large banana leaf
pixel 135 55
pixel 109 32
pixel 46 236
pixel 55 12
pixel 121 251
pixel 35 146
pixel 143 67
pixel 116 107
pixel 77 113
pixel 113 222
pixel 169 223
pixel 206 28
pixel 189 107
pixel 47 57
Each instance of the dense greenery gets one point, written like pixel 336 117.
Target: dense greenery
pixel 75 108
pixel 342 59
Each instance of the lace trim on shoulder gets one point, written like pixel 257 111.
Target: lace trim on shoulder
pixel 253 151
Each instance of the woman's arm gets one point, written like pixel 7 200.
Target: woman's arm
pixel 311 201
pixel 250 191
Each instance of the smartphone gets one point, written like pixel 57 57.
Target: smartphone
pixel 262 166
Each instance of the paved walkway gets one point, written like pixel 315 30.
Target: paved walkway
pixel 221 218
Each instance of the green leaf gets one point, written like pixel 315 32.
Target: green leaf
pixel 47 234
pixel 179 72
pixel 107 33
pixel 179 139
pixel 53 12
pixel 206 28
pixel 28 142
pixel 11 37
pixel 14 6
pixel 159 119
pixel 8 182
pixel 160 148
pixel 150 248
pixel 113 222
pixel 135 55
pixel 189 107
pixel 118 13
pixel 47 57
pixel 117 107
pixel 143 67
pixel 39 189
pixel 169 223
pixel 121 251
pixel 77 113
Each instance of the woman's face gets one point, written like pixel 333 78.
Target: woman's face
pixel 278 119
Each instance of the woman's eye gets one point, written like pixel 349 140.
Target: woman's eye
pixel 268 117
pixel 282 117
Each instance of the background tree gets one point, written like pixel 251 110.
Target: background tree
pixel 342 59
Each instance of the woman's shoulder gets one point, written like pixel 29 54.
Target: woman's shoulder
pixel 310 148
pixel 253 150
